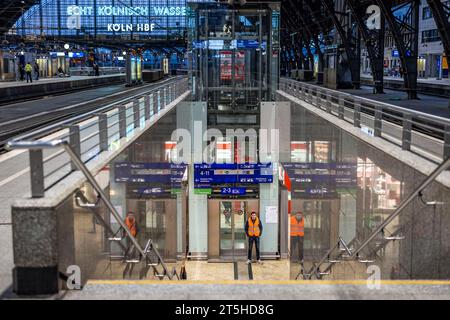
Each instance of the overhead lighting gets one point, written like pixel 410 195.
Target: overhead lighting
pixel 67 46
pixel 124 53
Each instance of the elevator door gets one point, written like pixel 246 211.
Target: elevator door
pixel 232 227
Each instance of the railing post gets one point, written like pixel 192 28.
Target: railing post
pixel 357 113
pixel 75 143
pixel 318 98
pixel 329 102
pixel 155 102
pixel 406 131
pixel 341 110
pixel 37 173
pixel 162 98
pixel 147 106
pixel 377 125
pixel 122 110
pixel 447 142
pixel 136 113
pixel 103 131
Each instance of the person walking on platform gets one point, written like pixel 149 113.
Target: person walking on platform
pixel 297 234
pixel 28 70
pixel 36 70
pixel 253 230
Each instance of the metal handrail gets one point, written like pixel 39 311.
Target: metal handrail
pixel 82 167
pixel 355 253
pixel 106 108
pixel 104 132
pixel 441 120
pixel 407 120
pixel 441 168
pixel 326 256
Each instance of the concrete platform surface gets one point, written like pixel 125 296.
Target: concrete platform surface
pixel 261 290
pixel 428 104
pixel 443 81
pixel 9 84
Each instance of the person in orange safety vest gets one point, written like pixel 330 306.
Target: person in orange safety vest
pixel 131 223
pixel 296 235
pixel 253 230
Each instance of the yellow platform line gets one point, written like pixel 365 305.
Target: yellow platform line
pixel 267 282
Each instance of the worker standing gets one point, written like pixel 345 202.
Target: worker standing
pixel 28 71
pixel 297 235
pixel 253 230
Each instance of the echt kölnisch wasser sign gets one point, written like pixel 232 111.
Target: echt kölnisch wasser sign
pixel 125 11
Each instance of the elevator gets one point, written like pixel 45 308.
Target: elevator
pixel 226 227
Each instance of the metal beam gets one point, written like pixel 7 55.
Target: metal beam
pixel 349 43
pixel 374 40
pixel 403 21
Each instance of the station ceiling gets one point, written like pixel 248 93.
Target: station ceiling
pixel 11 10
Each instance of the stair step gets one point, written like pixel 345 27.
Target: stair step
pixel 115 239
pixel 133 261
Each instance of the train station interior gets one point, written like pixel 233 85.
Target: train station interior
pixel 237 149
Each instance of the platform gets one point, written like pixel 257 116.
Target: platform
pixel 433 105
pixel 20 90
pixel 430 86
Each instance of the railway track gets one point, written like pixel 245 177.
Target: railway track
pixel 45 123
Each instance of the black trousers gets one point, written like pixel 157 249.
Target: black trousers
pixel 296 248
pixel 29 77
pixel 254 240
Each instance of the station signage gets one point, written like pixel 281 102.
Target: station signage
pixel 123 11
pixel 321 179
pixel 233 191
pixel 256 173
pixel 75 13
pixel 162 173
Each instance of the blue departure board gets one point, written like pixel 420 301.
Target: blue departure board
pixel 253 173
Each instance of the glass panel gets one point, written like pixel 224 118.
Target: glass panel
pixel 239 225
pixel 225 225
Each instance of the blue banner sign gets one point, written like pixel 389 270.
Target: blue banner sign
pixel 135 172
pixel 321 179
pixel 233 191
pixel 233 173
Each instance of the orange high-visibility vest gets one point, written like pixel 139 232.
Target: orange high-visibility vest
pixel 253 228
pixel 131 224
pixel 297 228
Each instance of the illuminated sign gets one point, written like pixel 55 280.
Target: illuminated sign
pixel 125 11
pixel 129 27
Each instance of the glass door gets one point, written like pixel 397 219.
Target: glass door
pixel 232 228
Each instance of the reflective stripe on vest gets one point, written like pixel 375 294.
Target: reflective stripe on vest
pixel 253 228
pixel 297 228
